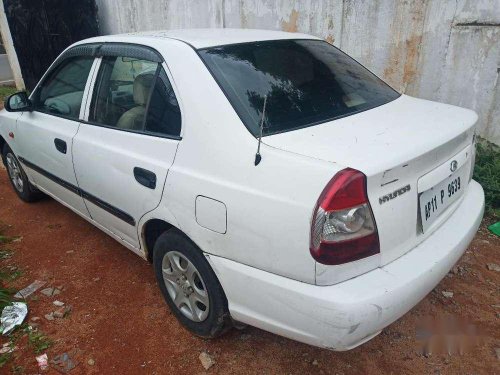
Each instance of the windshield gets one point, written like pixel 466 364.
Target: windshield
pixel 306 82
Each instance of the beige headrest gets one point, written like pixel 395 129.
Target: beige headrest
pixel 142 86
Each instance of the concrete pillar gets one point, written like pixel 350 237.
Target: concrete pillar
pixel 9 48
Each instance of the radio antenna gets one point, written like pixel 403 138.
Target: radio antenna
pixel 258 158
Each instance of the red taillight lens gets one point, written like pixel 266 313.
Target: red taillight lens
pixel 343 228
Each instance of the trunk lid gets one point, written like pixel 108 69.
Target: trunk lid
pixel 406 142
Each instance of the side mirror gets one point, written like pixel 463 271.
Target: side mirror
pixel 18 102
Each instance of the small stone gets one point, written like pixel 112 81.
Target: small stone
pixel 91 362
pixel 35 319
pixel 497 351
pixel 96 279
pixel 206 360
pixel 315 363
pixel 447 294
pixel 62 312
pixel 70 251
pixel 58 303
pixel 493 267
pixel 49 316
pixel 49 292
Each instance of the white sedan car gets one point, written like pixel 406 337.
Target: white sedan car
pixel 270 178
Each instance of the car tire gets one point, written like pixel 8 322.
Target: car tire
pixel 174 258
pixel 18 179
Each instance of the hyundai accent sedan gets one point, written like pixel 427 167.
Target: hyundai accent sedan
pixel 270 178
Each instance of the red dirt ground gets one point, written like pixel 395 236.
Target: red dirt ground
pixel 120 320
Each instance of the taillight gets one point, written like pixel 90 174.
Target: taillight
pixel 343 228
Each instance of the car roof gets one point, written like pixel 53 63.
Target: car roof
pixel 203 38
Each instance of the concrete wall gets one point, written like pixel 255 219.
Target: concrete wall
pixel 444 50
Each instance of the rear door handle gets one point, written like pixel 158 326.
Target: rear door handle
pixel 145 177
pixel 61 145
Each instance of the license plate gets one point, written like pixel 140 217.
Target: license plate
pixel 435 200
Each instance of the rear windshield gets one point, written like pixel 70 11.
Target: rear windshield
pixel 306 82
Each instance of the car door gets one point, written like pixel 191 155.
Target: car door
pixel 45 135
pixel 123 150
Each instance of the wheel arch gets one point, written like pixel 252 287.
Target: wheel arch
pixel 151 230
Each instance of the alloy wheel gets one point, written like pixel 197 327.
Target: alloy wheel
pixel 185 286
pixel 15 172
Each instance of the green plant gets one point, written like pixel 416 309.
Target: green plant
pixel 4 358
pixel 5 239
pixel 487 173
pixel 37 340
pixel 10 274
pixel 6 91
pixel 5 297
pixel 5 254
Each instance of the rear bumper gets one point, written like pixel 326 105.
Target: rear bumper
pixel 345 315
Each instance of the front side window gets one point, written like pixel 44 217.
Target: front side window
pixel 135 95
pixel 306 82
pixel 61 93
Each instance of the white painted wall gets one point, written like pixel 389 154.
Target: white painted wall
pixel 444 50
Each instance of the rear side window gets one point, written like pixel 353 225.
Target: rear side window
pixel 306 82
pixel 134 95
pixel 164 116
pixel 61 93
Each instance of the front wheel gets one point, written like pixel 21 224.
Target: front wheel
pixel 190 286
pixel 18 178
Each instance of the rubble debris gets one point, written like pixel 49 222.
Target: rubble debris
pixel 206 360
pixel 62 312
pixel 7 348
pixel 493 267
pixel 29 290
pixel 91 362
pixel 12 316
pixel 447 294
pixel 64 362
pixel 43 362
pixel 58 303
pixel 50 292
pixel 49 316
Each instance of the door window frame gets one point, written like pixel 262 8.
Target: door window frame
pixel 56 65
pixel 146 55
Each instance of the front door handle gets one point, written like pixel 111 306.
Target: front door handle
pixel 61 145
pixel 145 177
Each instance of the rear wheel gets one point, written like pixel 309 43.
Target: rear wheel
pixel 18 178
pixel 190 286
